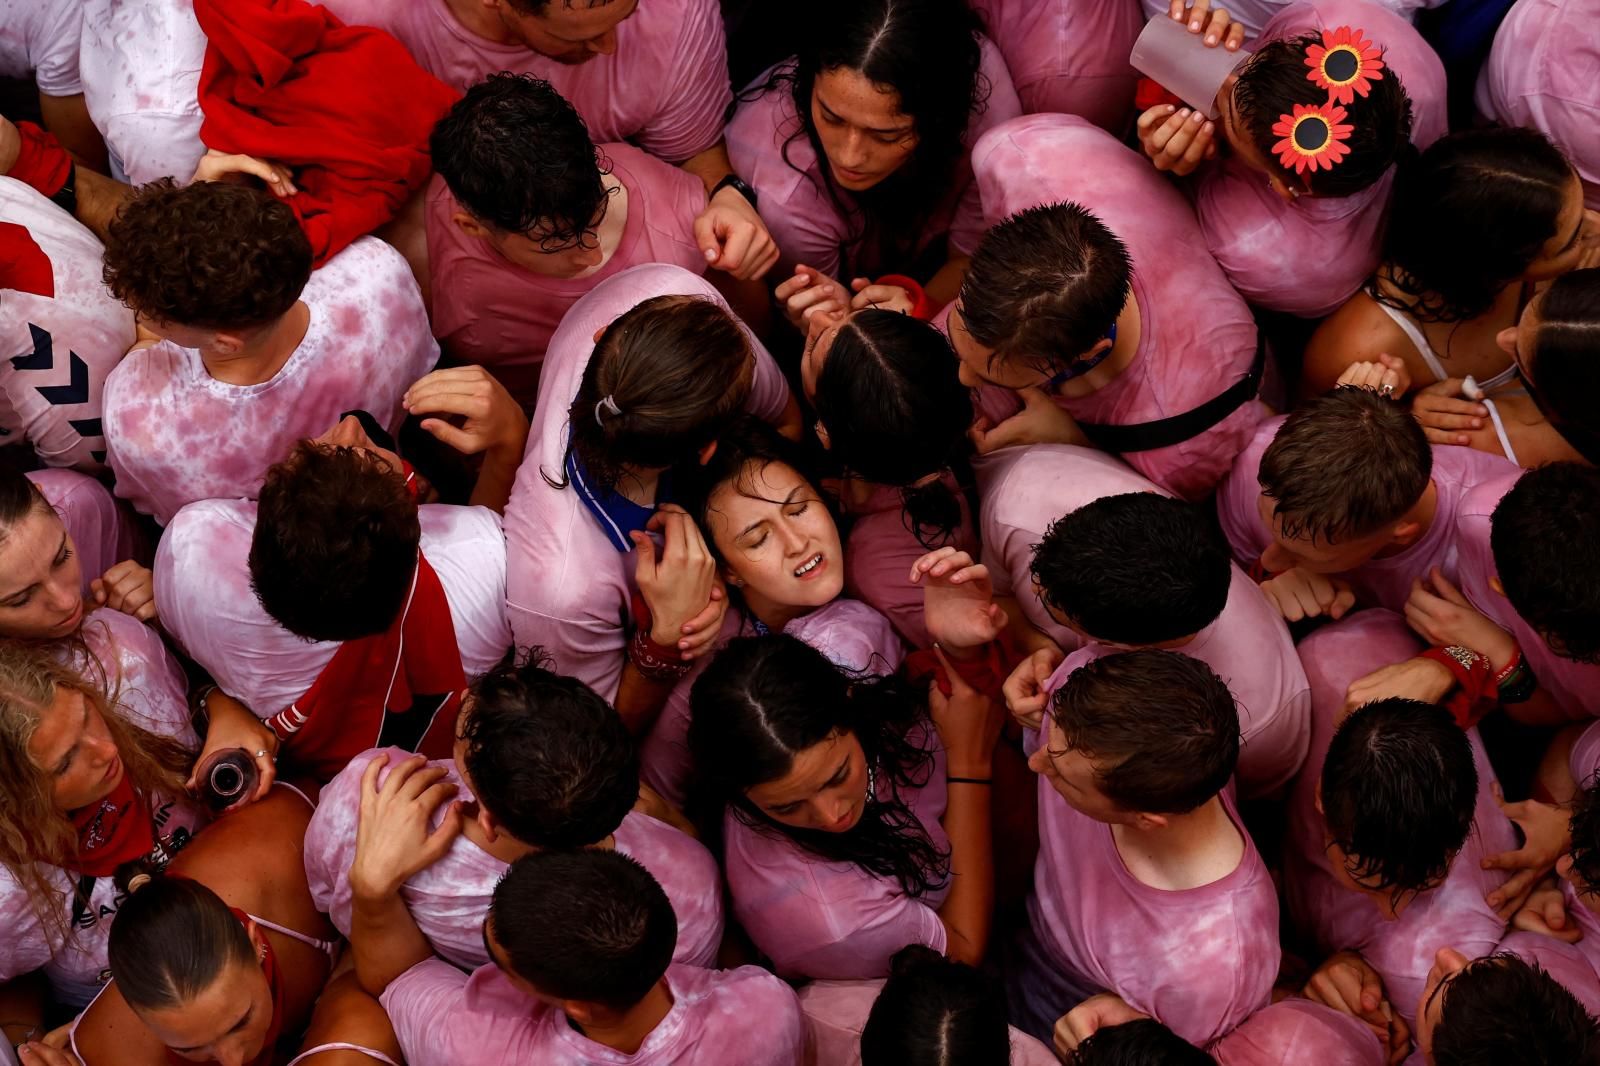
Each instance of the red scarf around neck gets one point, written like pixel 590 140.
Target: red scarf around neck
pixel 400 687
pixel 112 831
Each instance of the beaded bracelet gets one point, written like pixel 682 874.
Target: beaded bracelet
pixel 1516 682
pixel 655 661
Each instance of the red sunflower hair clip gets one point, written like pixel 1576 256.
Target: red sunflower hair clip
pixel 1345 63
pixel 1314 137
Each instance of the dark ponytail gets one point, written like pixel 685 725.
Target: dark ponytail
pixel 763 700
pixel 663 381
pixel 897 414
pixel 171 940
pixel 935 1012
pixel 1563 365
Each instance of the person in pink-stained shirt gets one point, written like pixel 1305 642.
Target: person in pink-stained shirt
pixel 140 64
pixel 252 356
pixel 1500 1008
pixel 859 148
pixel 1084 293
pixel 116 751
pixel 1301 236
pixel 779 552
pixel 39 42
pixel 1345 502
pixel 644 372
pixel 543 764
pixel 893 413
pixel 1140 570
pixel 1539 74
pixel 856 814
pixel 1390 820
pixel 1069 56
pixel 1146 883
pixel 1288 1032
pixel 60 338
pixel 104 538
pixel 582 972
pixel 653 73
pixel 928 1012
pixel 516 237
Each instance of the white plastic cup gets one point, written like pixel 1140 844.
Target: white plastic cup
pixel 1180 62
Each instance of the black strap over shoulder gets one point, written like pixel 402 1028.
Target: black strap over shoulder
pixel 1165 432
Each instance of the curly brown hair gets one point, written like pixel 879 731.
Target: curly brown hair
pixel 209 255
pixel 335 543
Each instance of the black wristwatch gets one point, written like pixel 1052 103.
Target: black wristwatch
pixel 66 197
pixel 738 185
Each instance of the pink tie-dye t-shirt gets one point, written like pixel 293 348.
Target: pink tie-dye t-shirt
pixel 880 548
pixel 852 635
pixel 152 694
pixel 1544 72
pixel 1337 918
pixel 450 899
pixel 771 152
pixel 1200 960
pixel 56 351
pixel 1573 685
pixel 743 1017
pixel 1184 358
pixel 1309 257
pixel 1382 582
pixel 1298 1032
pixel 1069 56
pixel 837 1012
pixel 665 88
pixel 202 582
pixel 488 310
pixel 815 918
pixel 141 77
pixel 568 589
pixel 102 532
pixel 1584 763
pixel 39 40
pixel 176 434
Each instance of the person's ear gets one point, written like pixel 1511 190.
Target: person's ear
pixel 578 1011
pixel 1148 822
pixel 1507 340
pixel 822 435
pixel 1494 583
pixel 1100 346
pixel 469 225
pixel 706 452
pixel 226 344
pixel 1317 798
pixel 1406 534
pixel 731 579
pixel 486 822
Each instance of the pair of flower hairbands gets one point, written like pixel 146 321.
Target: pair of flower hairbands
pixel 1314 135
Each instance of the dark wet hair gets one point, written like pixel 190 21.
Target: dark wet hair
pixel 1562 369
pixel 935 1012
pixel 171 940
pixel 925 51
pixel 1543 535
pixel 764 700
pixel 896 413
pixel 1469 218
pixel 1504 1009
pixel 1142 1042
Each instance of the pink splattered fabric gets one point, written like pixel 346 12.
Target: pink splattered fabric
pixel 881 547
pixel 488 310
pixel 808 226
pixel 450 899
pixel 57 349
pixel 665 88
pixel 176 434
pixel 1183 359
pixel 1295 1031
pixel 1338 918
pixel 141 75
pixel 743 1017
pixel 39 39
pixel 1069 56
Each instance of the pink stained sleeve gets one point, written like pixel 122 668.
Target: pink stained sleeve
pixel 56 62
pixel 330 842
pixel 698 97
pixel 1002 105
pixel 822 920
pixel 428 1008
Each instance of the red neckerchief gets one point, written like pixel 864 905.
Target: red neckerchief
pixel 115 830
pixel 280 998
pixel 401 687
pixel 24 265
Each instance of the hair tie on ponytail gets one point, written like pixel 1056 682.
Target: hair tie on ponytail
pixel 609 404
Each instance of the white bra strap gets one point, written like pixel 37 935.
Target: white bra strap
pixel 327 947
pixel 340 1045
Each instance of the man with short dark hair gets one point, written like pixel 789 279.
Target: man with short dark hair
pixel 1500 1009
pixel 1345 502
pixel 525 214
pixel 246 350
pixel 1083 306
pixel 1390 821
pixel 1141 849
pixel 544 764
pixel 650 72
pixel 1112 564
pixel 582 945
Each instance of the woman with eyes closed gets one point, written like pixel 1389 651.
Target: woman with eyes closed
pixel 778 551
pixel 1481 218
pixel 858 149
pixel 856 810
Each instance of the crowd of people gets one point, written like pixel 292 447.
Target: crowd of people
pixel 862 534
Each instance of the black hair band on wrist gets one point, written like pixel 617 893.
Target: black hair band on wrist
pixel 970 780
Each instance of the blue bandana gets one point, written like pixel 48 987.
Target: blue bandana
pixel 617 515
